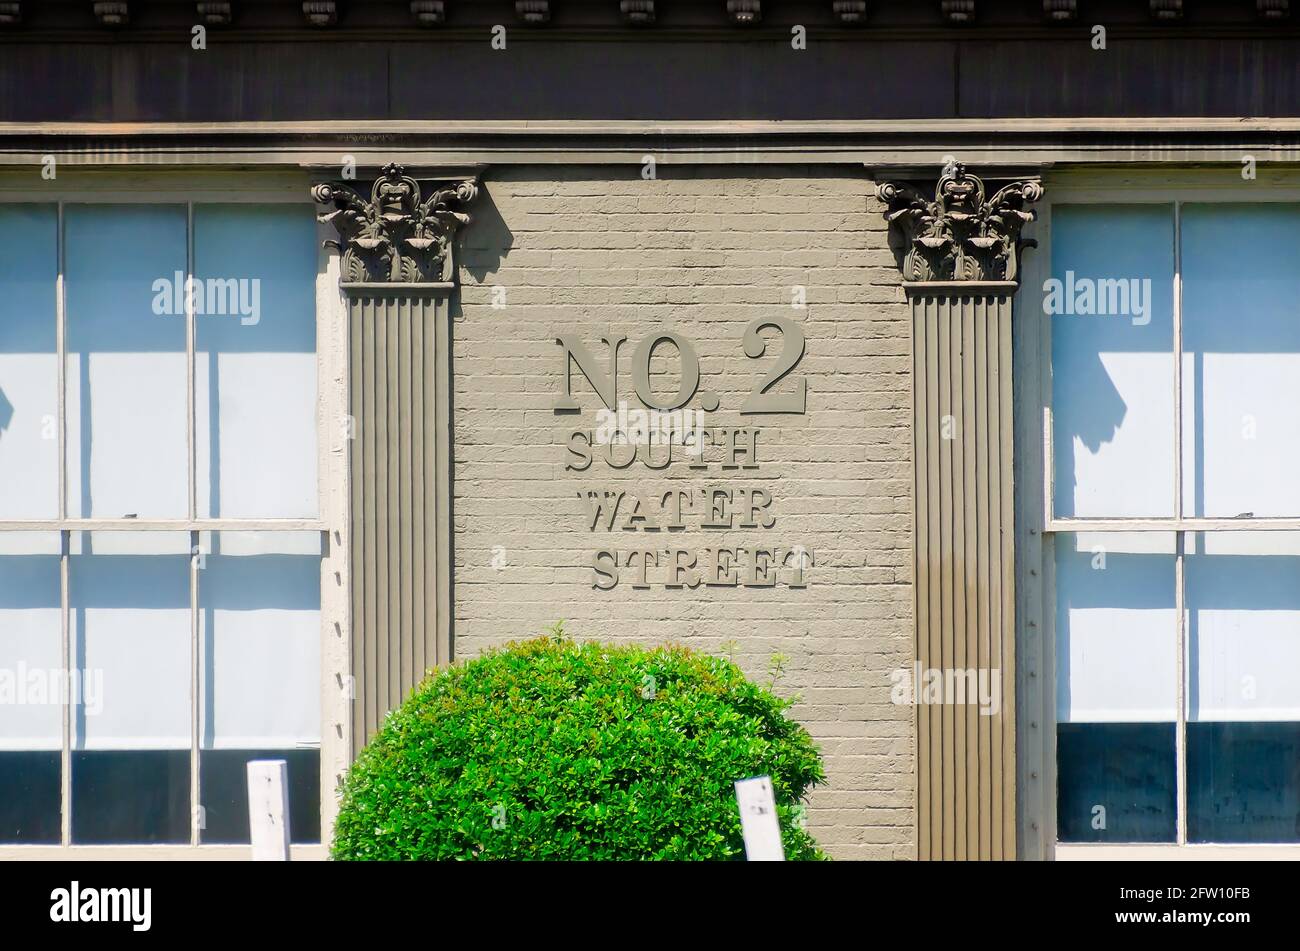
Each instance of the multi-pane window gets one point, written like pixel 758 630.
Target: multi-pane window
pixel 1174 448
pixel 160 543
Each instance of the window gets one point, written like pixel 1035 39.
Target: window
pixel 160 541
pixel 1172 496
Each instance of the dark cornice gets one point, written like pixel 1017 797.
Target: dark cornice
pixel 746 20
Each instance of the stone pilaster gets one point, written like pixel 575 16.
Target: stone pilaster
pixel 958 253
pixel 398 276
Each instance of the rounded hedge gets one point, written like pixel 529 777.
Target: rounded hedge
pixel 553 749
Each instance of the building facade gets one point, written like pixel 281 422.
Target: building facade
pixel 932 360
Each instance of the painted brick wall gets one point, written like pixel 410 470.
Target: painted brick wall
pixel 701 250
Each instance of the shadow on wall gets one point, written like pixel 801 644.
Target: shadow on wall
pixel 1092 417
pixel 488 239
pixel 484 246
pixel 1110 303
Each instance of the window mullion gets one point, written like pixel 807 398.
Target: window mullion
pixel 1178 362
pixel 1129 524
pixel 61 348
pixel 1180 738
pixel 65 537
pixel 190 465
pixel 65 755
pixel 196 812
pixel 1180 538
pixel 191 468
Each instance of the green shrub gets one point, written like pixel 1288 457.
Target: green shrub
pixel 552 749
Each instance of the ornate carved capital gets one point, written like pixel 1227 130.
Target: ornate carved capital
pixel 395 237
pixel 958 235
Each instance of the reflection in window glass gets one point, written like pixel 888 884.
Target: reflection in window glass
pixel 130 623
pixel 1116 687
pixel 1112 359
pixel 126 360
pixel 255 361
pixel 259 616
pixel 1116 782
pixel 1243 782
pixel 1243 635
pixel 130 630
pixel 29 375
pixel 32 691
pixel 1243 738
pixel 1116 628
pixel 124 796
pixel 31 653
pixel 29 797
pixel 223 777
pixel 1241 359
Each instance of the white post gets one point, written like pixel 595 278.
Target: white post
pixel 268 809
pixel 758 820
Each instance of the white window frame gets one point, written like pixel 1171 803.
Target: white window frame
pixel 1170 187
pixel 191 189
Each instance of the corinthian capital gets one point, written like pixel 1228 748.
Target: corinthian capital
pixel 395 237
pixel 958 235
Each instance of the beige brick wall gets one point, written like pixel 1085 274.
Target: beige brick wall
pixel 703 251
